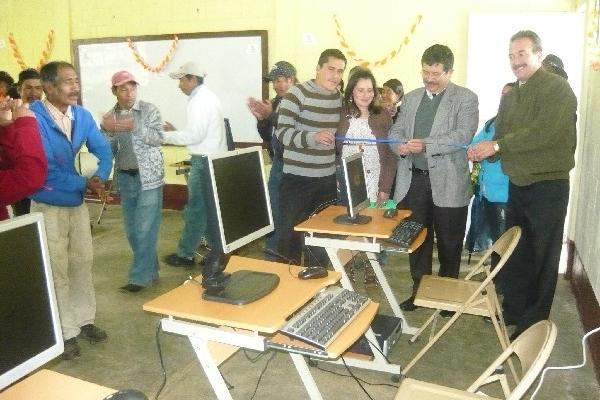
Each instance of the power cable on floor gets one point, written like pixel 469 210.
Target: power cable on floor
pixel 595 330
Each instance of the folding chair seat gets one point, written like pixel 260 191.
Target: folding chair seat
pixel 465 296
pixel 532 348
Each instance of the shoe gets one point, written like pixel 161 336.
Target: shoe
pixel 92 333
pixel 349 269
pixel 409 304
pixel 176 261
pixel 487 320
pixel 447 314
pixel 71 349
pixel 132 287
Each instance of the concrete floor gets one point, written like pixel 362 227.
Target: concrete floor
pixel 129 358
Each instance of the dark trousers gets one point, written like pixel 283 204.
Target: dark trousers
pixel 299 197
pixel 495 220
pixel 448 224
pixel 530 274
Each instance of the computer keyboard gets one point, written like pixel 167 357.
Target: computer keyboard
pixel 325 316
pixel 405 233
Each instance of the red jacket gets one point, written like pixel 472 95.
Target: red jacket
pixel 23 163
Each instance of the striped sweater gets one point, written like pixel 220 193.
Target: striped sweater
pixel 306 110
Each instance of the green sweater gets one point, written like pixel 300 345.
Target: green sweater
pixel 535 130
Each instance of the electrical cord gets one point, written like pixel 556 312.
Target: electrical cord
pixel 262 373
pixel 356 379
pixel 162 363
pixel 566 367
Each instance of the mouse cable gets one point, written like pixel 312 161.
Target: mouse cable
pixel 162 363
pixel 595 330
pixel 262 373
pixel 356 379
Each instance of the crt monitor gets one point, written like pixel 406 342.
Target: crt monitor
pixel 238 212
pixel 30 333
pixel 356 191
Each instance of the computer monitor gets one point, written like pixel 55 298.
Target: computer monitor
pixel 30 332
pixel 238 212
pixel 356 191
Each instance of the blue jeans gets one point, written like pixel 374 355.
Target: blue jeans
pixel 141 215
pixel 194 214
pixel 274 183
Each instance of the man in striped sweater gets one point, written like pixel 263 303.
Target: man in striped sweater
pixel 308 118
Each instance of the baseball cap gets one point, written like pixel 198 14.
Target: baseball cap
pixel 554 64
pixel 189 68
pixel 281 68
pixel 122 77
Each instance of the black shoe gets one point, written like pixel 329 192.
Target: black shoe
pixel 132 287
pixel 92 333
pixel 71 349
pixel 409 304
pixel 176 261
pixel 447 314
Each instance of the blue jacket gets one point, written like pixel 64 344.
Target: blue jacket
pixel 493 182
pixel 64 187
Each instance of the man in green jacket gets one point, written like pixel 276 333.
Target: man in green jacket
pixel 535 139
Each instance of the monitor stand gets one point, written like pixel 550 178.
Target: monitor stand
pixel 244 287
pixel 358 219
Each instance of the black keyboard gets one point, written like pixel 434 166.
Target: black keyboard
pixel 325 316
pixel 405 233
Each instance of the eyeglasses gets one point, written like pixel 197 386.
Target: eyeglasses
pixel 435 75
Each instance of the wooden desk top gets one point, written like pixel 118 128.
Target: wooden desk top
pixel 379 227
pixel 265 315
pixel 51 385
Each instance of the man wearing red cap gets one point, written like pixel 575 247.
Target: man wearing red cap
pixel 134 129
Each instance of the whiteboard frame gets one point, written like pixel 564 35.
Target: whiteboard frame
pixel 243 132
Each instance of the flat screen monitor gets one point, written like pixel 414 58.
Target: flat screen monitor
pixel 356 191
pixel 238 212
pixel 30 332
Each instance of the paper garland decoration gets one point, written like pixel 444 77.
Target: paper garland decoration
pixel 19 57
pixel 165 61
pixel 382 61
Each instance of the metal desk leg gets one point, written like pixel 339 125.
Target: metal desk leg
pixel 389 295
pixel 211 369
pixel 306 376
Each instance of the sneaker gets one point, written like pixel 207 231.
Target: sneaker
pixel 71 349
pixel 176 261
pixel 349 269
pixel 92 333
pixel 409 304
pixel 132 288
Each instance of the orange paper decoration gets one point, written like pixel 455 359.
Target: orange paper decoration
pixel 165 61
pixel 391 54
pixel 19 57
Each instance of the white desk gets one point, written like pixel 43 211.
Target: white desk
pixel 216 330
pixel 360 238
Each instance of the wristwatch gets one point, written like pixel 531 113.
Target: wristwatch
pixel 496 147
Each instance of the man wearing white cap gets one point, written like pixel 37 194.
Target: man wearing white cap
pixel 134 130
pixel 204 134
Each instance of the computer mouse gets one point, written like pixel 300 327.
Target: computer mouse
pixel 127 394
pixel 313 273
pixel 390 213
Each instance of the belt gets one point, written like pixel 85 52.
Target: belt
pixel 130 172
pixel 417 171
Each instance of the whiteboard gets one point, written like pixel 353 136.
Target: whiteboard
pixel 488 68
pixel 234 62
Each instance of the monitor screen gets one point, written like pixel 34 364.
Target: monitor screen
pixel 30 333
pixel 240 191
pixel 356 186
